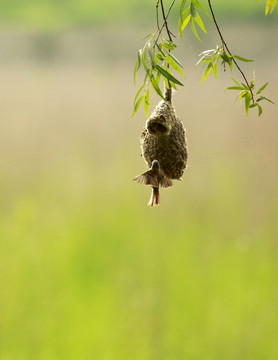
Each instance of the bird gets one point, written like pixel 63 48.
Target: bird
pixel 154 177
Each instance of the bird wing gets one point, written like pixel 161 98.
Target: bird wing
pixel 146 179
pixel 165 181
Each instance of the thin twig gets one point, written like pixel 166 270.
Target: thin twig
pixel 157 18
pixel 225 46
pixel 164 23
pixel 165 20
pixel 170 38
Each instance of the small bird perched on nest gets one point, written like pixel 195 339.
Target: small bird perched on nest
pixel 163 147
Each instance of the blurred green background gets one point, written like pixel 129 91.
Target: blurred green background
pixel 87 270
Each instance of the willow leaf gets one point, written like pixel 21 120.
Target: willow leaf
pixel 137 105
pixel 199 21
pixel 242 59
pixel 146 102
pixel 262 88
pixel 172 63
pixel 208 70
pixel 166 74
pixel 156 86
pixel 194 29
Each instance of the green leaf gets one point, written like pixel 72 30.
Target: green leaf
pixel 225 57
pixel 242 94
pixel 181 20
pixel 150 51
pixel 166 74
pixel 230 63
pixel 260 110
pixel 192 9
pixel 247 102
pixel 161 52
pixel 245 86
pixel 185 22
pixel 146 102
pixel 208 70
pixel 234 88
pixel 170 43
pixel 194 29
pixel 234 80
pixel 264 98
pixel 182 7
pixel 137 105
pixel 171 83
pixel 147 36
pixel 137 94
pixel 169 46
pixel 262 88
pixel 135 71
pixel 242 59
pixel 144 58
pixel 180 30
pixel 137 64
pixel 214 69
pixel 207 59
pixel 158 57
pixel 166 83
pixel 200 6
pixel 146 76
pixel 157 78
pixel 270 4
pixel 156 86
pixel 185 13
pixel 172 63
pixel 175 59
pixel 174 85
pixel 199 21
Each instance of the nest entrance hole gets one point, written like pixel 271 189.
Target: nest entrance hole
pixel 157 128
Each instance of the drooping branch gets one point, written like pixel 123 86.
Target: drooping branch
pixel 224 44
pixel 165 18
pixel 157 17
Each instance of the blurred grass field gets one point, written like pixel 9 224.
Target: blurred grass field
pixel 87 270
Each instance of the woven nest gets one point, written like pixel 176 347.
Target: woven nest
pixel 164 139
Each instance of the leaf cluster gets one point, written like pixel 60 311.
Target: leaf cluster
pixel 270 5
pixel 191 15
pixel 246 94
pixel 212 57
pixel 156 60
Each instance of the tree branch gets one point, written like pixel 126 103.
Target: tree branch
pixel 225 46
pixel 157 18
pixel 165 19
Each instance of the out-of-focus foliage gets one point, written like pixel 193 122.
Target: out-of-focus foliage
pixel 52 14
pixel 270 5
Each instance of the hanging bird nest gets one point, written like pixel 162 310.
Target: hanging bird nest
pixel 164 139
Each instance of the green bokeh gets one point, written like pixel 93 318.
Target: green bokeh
pixel 52 14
